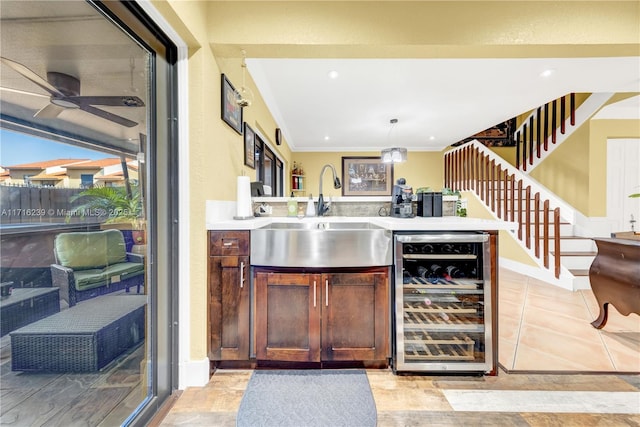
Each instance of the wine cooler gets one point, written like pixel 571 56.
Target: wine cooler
pixel 443 318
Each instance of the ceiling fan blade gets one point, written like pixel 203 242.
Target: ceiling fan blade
pixel 27 73
pixel 108 116
pixel 23 92
pixel 50 111
pixel 111 101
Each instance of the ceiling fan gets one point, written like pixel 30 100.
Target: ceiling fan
pixel 64 93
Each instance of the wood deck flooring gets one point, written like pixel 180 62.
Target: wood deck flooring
pixel 105 398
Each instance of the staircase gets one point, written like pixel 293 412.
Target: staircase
pixel 545 223
pixel 535 140
pixel 576 253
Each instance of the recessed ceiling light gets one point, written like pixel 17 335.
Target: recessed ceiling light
pixel 431 138
pixel 326 138
pixel 547 73
pixel 333 74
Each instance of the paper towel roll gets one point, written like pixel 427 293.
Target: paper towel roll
pixel 244 197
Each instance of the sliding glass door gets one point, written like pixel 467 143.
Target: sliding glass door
pixel 88 221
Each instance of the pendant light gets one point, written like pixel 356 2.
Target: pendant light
pixel 245 95
pixel 394 154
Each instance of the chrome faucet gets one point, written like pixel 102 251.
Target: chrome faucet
pixel 322 206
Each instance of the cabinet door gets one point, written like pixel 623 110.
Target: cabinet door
pixel 355 316
pixel 288 316
pixel 229 308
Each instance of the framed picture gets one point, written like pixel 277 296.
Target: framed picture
pixel 231 112
pixel 500 135
pixel 249 146
pixel 366 176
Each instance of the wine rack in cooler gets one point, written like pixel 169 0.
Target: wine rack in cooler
pixel 442 302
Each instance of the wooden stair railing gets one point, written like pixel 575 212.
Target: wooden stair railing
pixel 532 137
pixel 469 169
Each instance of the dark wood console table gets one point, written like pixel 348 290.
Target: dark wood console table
pixel 615 277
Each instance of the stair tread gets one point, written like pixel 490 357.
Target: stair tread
pixel 577 253
pixel 579 272
pixel 575 238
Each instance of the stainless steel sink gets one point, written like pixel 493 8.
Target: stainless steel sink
pixel 321 244
pixel 320 225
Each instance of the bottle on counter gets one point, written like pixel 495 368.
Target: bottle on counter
pixel 311 209
pixel 292 206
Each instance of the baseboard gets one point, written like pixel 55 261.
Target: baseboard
pixel 193 373
pixel 565 281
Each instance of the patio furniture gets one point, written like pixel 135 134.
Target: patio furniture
pixel 26 305
pixel 89 264
pixel 83 338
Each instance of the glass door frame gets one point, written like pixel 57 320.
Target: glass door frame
pixel 163 166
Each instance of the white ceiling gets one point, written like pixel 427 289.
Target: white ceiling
pixel 447 99
pixel 437 101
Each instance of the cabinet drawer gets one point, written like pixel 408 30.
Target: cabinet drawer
pixel 229 243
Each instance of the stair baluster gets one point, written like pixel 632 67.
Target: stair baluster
pixel 546 126
pixel 527 193
pixel 536 209
pixel 538 125
pixel 554 115
pixel 562 115
pixel 469 168
pixel 545 236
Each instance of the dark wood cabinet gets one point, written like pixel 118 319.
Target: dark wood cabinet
pixel 287 316
pixel 229 296
pixel 324 316
pixel 355 316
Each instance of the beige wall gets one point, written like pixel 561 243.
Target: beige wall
pixel 566 170
pixel 425 28
pixel 576 171
pixel 17 176
pixel 216 151
pixel 422 169
pixel 508 246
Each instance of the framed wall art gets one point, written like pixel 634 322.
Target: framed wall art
pixel 366 176
pixel 500 135
pixel 231 112
pixel 249 146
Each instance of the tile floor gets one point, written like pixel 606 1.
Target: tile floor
pixel 542 329
pixel 545 328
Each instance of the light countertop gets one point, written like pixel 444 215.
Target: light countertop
pixel 445 223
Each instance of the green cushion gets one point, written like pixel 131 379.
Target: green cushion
pixel 95 277
pixel 88 250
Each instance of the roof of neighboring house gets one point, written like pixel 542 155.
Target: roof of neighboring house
pixel 95 164
pixel 118 176
pixel 47 164
pixel 49 176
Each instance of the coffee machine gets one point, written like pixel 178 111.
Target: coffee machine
pixel 401 200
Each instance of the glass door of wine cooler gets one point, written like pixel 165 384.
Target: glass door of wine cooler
pixel 442 302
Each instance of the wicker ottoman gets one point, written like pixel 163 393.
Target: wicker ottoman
pixel 27 305
pixel 83 338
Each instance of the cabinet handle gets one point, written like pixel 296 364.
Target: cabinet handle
pixel 242 274
pixel 314 293
pixel 326 292
pixel 227 243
